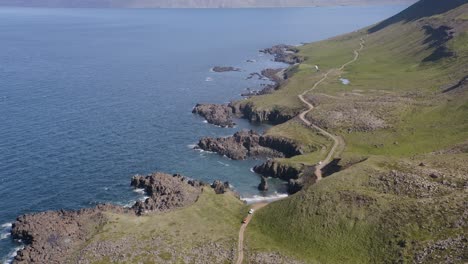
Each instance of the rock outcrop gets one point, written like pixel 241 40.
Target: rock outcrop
pixel 53 236
pixel 248 111
pixel 244 144
pixel 276 76
pixel 284 53
pixel 272 168
pixel 216 114
pixel 225 69
pixel 240 146
pixel 220 187
pixel 165 192
pixel 263 186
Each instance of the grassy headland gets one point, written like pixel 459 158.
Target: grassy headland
pixel 406 110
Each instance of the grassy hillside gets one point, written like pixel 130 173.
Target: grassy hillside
pixel 204 231
pixel 406 109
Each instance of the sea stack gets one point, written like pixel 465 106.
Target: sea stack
pixel 263 186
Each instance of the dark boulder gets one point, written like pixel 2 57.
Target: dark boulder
pixel 263 186
pixel 220 187
pixel 225 69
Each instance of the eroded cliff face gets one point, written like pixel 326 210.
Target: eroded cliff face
pixel 53 236
pixel 245 144
pixel 251 113
pixel 216 114
pixel 275 169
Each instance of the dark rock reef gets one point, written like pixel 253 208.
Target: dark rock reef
pixel 52 236
pixel 244 144
pixel 263 186
pixel 216 114
pixel 165 192
pixel 284 53
pixel 225 69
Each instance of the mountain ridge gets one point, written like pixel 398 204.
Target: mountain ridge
pixel 193 3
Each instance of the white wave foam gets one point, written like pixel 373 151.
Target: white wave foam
pixel 258 198
pixel 191 146
pixel 205 122
pixel 11 256
pixel 252 170
pixel 208 79
pixel 7 225
pixel 4 235
pixel 139 191
pixel 224 164
pixel 5 232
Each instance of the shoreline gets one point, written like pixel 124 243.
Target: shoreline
pixel 26 242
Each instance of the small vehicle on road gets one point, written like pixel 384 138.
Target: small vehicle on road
pixel 251 211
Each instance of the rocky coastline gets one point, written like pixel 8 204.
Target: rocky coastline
pixel 216 114
pixel 284 53
pixel 51 237
pixel 250 144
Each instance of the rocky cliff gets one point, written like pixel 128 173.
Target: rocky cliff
pixel 244 144
pixel 165 192
pixel 216 114
pixel 53 236
pixel 250 112
pixel 275 169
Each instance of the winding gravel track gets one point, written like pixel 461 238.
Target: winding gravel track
pixel 318 171
pixel 310 107
pixel 240 245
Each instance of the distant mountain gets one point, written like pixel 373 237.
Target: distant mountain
pixel 194 3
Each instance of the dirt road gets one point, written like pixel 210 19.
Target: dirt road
pixel 310 107
pixel 240 245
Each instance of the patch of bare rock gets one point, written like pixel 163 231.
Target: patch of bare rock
pixel 409 184
pixel 357 113
pixel 245 144
pixel 52 236
pixel 271 258
pixel 449 250
pixel 165 192
pixel 216 114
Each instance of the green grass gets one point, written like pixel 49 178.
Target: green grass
pixel 322 224
pixel 346 217
pixel 325 224
pixel 213 218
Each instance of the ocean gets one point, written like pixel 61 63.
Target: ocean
pixel 91 97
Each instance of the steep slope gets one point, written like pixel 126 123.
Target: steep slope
pixel 404 119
